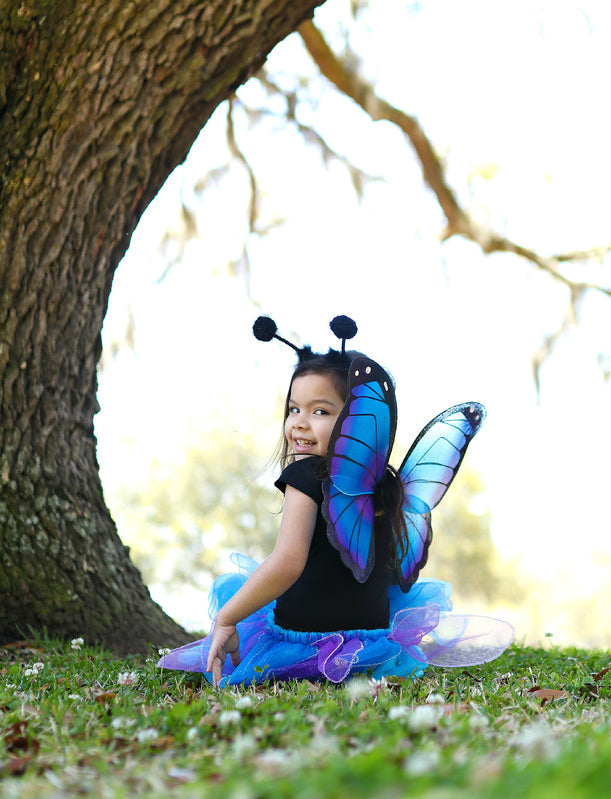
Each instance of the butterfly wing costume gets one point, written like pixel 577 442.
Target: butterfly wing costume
pixel 358 455
pixel 421 630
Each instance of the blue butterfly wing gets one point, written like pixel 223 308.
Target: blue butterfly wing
pixel 427 471
pixel 435 456
pixel 420 535
pixel 349 527
pixel 357 456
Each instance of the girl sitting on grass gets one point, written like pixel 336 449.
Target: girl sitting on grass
pixel 340 593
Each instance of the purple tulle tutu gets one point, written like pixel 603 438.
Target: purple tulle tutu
pixel 422 632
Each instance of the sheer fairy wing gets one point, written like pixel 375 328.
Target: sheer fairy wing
pixel 427 471
pixel 357 457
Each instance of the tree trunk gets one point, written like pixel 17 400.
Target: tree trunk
pixel 99 101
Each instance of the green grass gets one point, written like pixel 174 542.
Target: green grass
pixel 86 723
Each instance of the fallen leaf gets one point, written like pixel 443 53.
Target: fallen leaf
pixel 16 737
pixel 17 765
pixel 547 694
pixel 29 645
pixel 449 709
pixel 106 697
pixel 164 742
pixel 589 691
pixel 600 674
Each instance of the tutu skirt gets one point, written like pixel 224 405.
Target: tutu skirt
pixel 422 631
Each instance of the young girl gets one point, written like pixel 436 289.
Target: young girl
pixel 318 606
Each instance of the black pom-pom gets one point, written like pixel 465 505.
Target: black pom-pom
pixel 344 327
pixel 264 328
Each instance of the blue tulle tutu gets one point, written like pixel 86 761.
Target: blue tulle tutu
pixel 422 632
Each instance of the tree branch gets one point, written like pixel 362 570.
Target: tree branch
pixel 458 220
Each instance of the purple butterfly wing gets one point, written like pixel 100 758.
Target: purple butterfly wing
pixel 427 471
pixel 357 456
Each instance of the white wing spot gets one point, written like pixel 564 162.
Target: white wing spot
pixel 385 386
pixel 356 372
pixel 368 370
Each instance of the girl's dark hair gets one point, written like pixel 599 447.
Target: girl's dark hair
pixel 389 497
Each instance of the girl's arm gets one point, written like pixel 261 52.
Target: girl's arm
pixel 272 578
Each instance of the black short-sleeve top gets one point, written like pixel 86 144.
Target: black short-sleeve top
pixel 326 596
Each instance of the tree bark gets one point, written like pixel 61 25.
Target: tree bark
pixel 99 101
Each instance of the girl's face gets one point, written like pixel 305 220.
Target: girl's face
pixel 313 407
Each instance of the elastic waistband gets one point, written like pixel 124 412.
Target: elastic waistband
pixel 299 637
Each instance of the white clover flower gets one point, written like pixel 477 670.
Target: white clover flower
pixel 75 697
pixel 34 669
pixel 192 734
pixel 537 742
pixel 424 717
pixel 164 651
pixel 478 722
pixel 127 678
pixel 276 759
pixel 230 717
pixel 376 687
pixel 122 723
pixel 435 699
pixel 421 763
pixel 244 745
pixel 357 689
pixel 147 735
pixel 323 745
pixel 278 716
pixel 398 712
pixel 76 643
pixel 243 702
pixel 362 688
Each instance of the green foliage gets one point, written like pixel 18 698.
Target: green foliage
pixel 75 721
pixel 181 519
pixel 463 552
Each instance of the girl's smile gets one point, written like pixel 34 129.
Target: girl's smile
pixel 313 408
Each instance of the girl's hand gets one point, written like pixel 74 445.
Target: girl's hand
pixel 225 641
pixel 272 578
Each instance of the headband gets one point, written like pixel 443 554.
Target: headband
pixel 264 329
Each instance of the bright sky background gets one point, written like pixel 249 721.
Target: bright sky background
pixel 519 89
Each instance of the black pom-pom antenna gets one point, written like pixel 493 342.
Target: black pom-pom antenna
pixel 344 327
pixel 265 329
